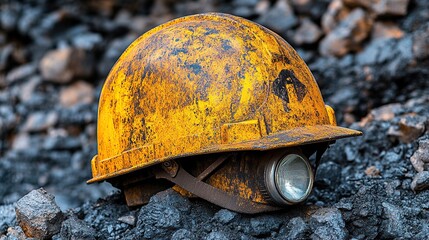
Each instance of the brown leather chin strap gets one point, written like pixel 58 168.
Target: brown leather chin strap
pixel 173 172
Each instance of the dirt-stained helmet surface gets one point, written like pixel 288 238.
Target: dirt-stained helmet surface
pixel 208 86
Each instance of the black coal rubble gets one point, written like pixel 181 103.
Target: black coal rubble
pixel 328 223
pixel 74 228
pixel 7 217
pixel 386 71
pixel 369 57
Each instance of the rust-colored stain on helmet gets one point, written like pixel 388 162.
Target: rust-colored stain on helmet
pixel 201 86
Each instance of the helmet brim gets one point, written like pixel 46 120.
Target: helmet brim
pixel 289 138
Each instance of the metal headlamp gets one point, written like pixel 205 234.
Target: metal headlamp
pixel 289 178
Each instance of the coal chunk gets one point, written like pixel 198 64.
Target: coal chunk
pixel 183 234
pixel 87 41
pixel 217 235
pixel 7 217
pixel 327 223
pixel 394 225
pixel 420 181
pixel 264 225
pixel 9 16
pixel 172 199
pixel 328 175
pixel 74 228
pixel 224 216
pixel 158 220
pixel 313 8
pixel 14 233
pixel 421 43
pixel 40 121
pixel 296 228
pixel 20 73
pixel 38 214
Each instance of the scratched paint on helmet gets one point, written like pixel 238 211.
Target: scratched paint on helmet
pixel 175 89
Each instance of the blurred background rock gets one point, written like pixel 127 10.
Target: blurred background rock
pixel 56 54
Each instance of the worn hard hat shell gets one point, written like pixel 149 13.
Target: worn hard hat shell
pixel 204 84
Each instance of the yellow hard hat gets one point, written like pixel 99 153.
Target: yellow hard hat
pixel 209 86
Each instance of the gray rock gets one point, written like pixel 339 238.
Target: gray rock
pixel 74 228
pixel 420 181
pixel 29 19
pixel 38 214
pixel 183 234
pixel 344 205
pixel 87 40
pixel 79 92
pixel 243 11
pixel 393 226
pixel 224 216
pixel 313 8
pixel 348 35
pixel 14 233
pixel 392 157
pixel 40 121
pixel 375 52
pixel 409 128
pixel 264 225
pixel 327 223
pixel 424 233
pixel 421 43
pixel 307 33
pixel 279 18
pixel 381 7
pixel 28 89
pixel 129 219
pixel 158 220
pixel 62 65
pixel 61 143
pixel 9 16
pixel 297 228
pixel 5 55
pixel 247 3
pixel 21 73
pixel 335 13
pixel 8 119
pixel 7 217
pixel 215 235
pixel 421 157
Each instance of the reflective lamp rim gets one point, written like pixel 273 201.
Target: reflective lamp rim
pixel 271 183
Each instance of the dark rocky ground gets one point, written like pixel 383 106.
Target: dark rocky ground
pixel 370 59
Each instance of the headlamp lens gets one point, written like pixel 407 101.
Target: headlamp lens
pixel 294 178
